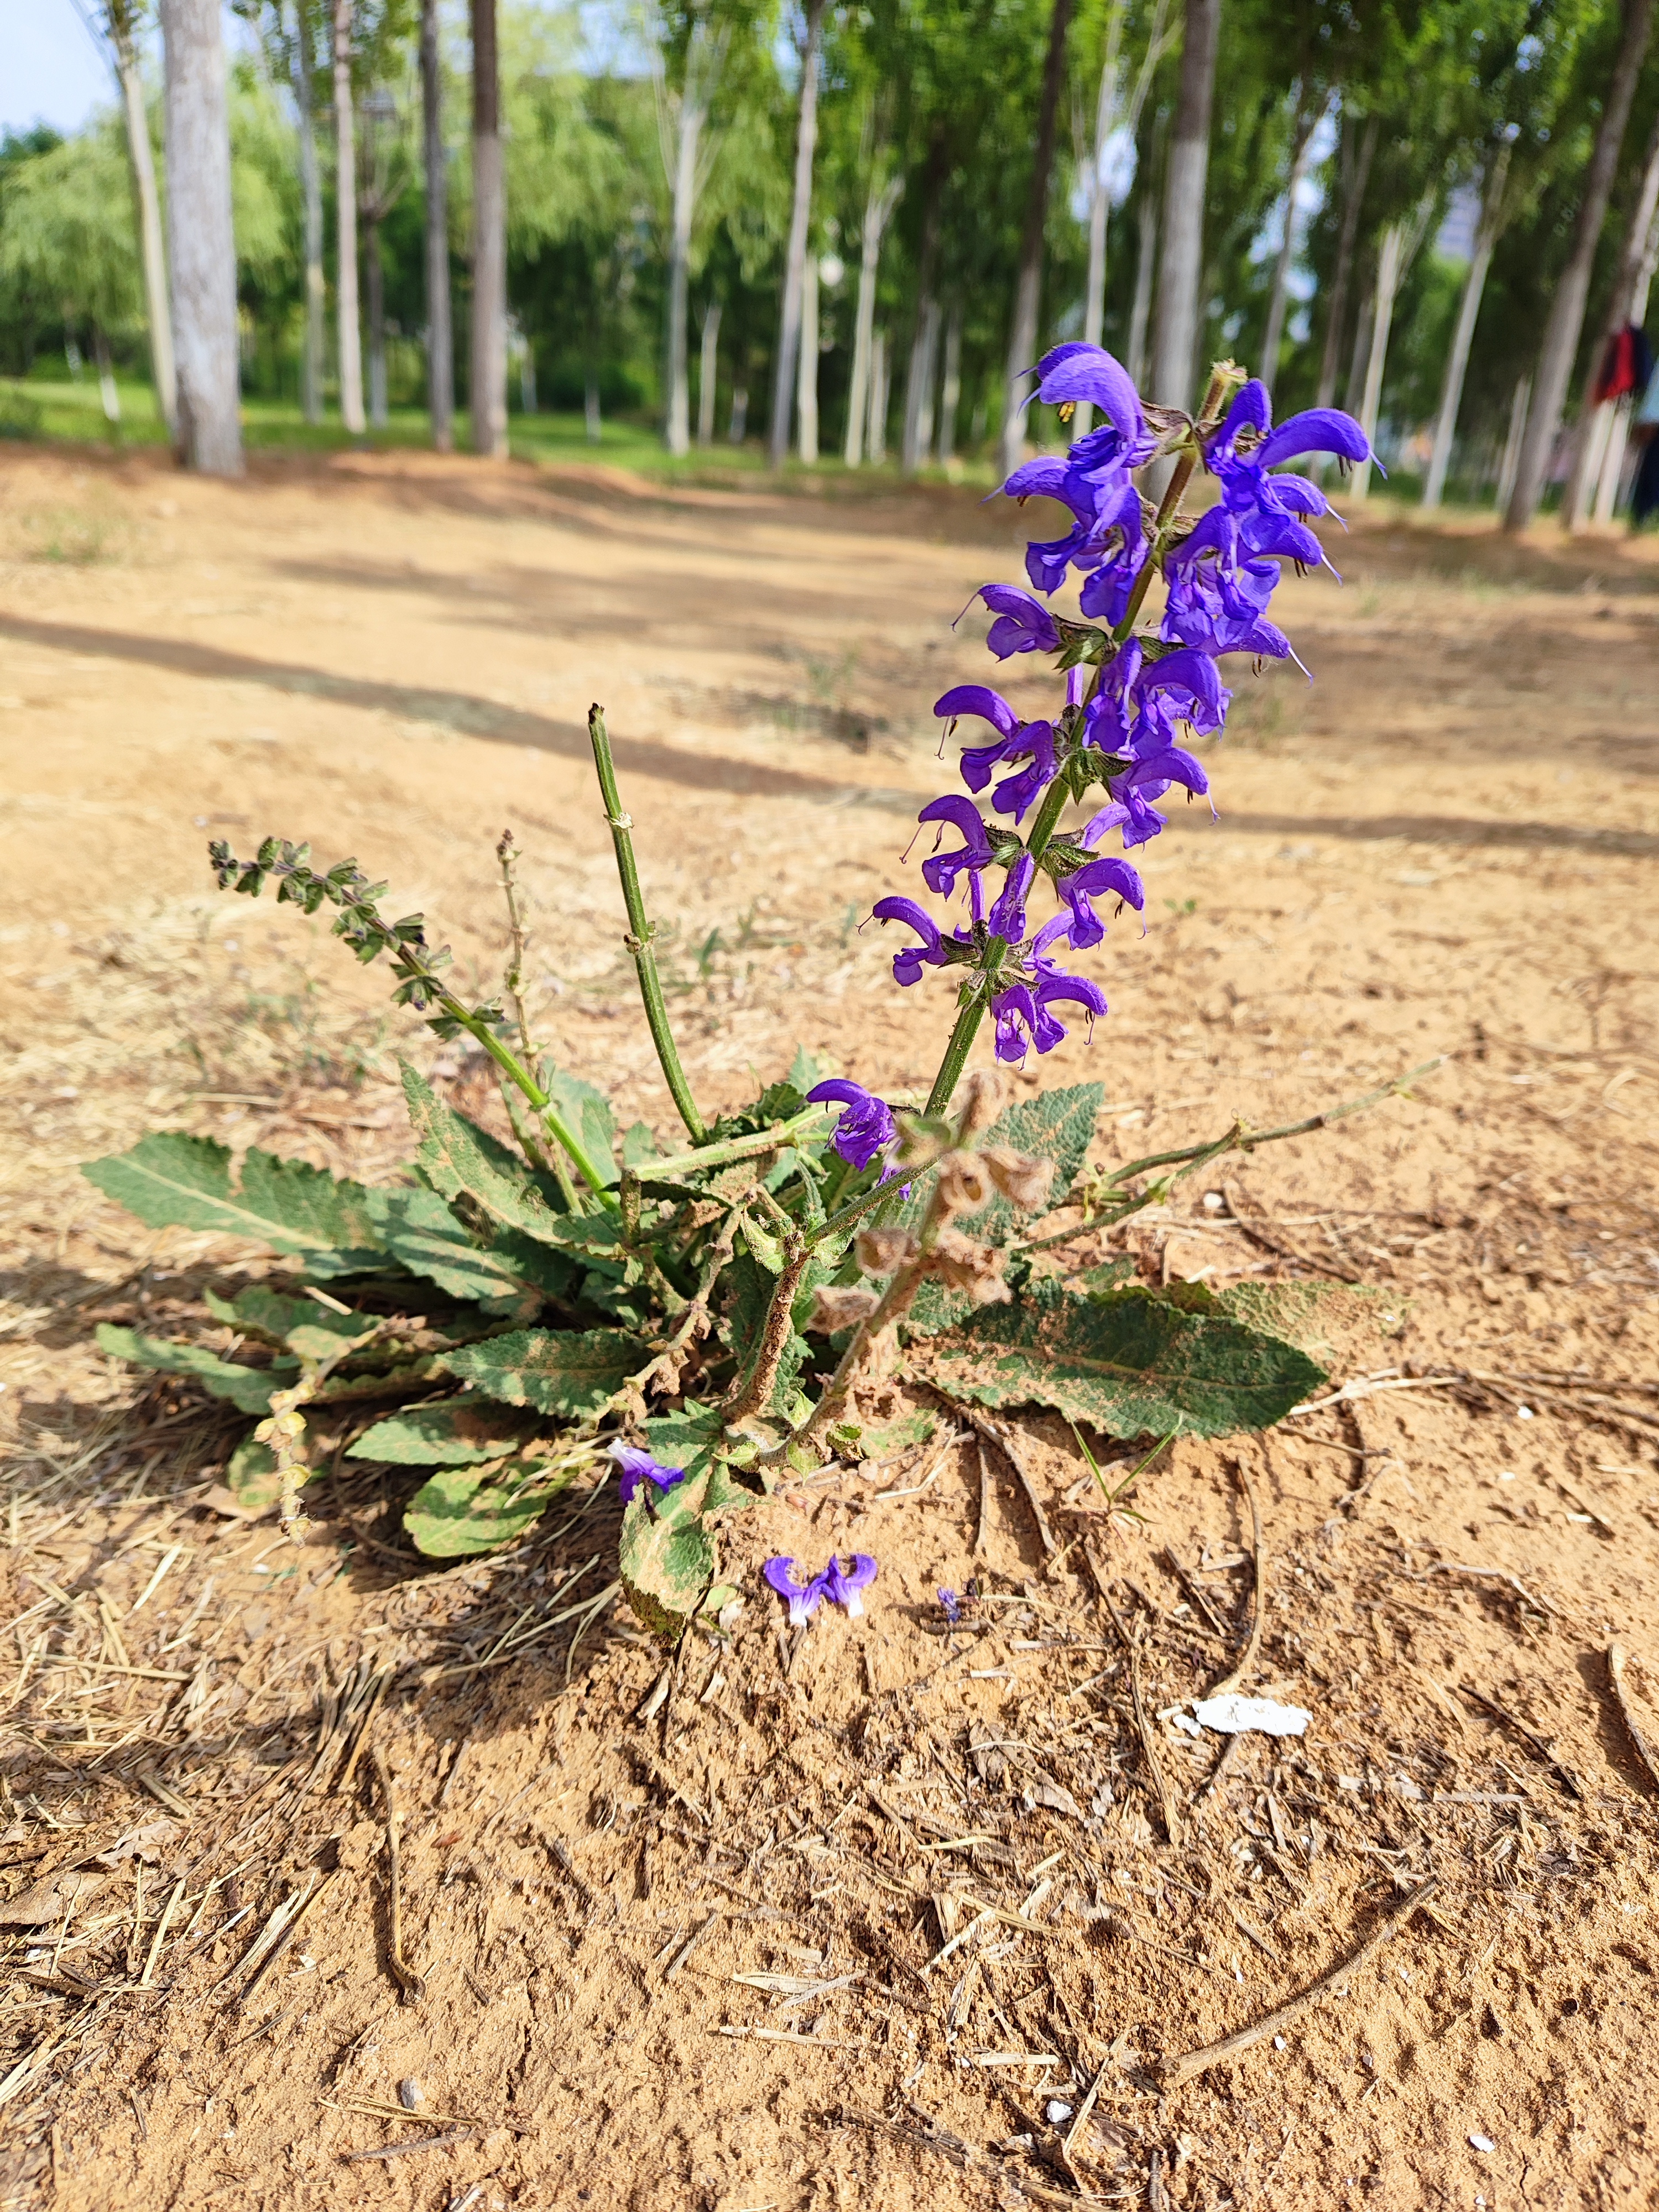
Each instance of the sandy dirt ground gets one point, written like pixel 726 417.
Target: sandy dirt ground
pixel 1441 848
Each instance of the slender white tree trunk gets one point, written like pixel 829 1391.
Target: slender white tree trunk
pixel 877 439
pixel 919 387
pixel 489 363
pixel 784 361
pixel 440 324
pixel 1595 421
pixel 158 310
pixel 202 247
pixel 688 136
pixel 1520 401
pixel 950 387
pixel 1140 314
pixel 1391 257
pixel 707 371
pixel 1307 120
pixel 879 202
pixel 1028 289
pixel 1468 310
pixel 806 376
pixel 314 343
pixel 1176 333
pixel 1566 316
pixel 350 333
pixel 1353 196
pixel 374 272
pixel 591 425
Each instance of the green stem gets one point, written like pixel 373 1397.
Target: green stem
pixel 551 1119
pixel 735 1148
pixel 641 932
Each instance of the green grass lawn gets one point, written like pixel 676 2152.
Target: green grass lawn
pixel 57 408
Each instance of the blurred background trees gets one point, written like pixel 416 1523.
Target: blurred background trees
pixel 851 226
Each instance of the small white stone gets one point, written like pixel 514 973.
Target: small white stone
pixel 1057 2109
pixel 1483 2142
pixel 1279 2043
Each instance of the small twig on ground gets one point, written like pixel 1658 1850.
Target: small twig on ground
pixel 1230 1752
pixel 994 1432
pixel 1259 1599
pixel 1645 1750
pixel 981 1535
pixel 1174 2072
pixel 409 1985
pixel 421 2142
pixel 1144 1728
pixel 1533 1742
pixel 689 1945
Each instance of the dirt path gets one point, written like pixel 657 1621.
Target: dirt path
pixel 1444 846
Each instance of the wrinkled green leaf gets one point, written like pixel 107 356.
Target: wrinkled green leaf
pixel 1054 1125
pixel 248 1389
pixel 510 1277
pixel 169 1180
pixel 474 1170
pixel 687 1439
pixel 251 1478
pixel 1131 1364
pixel 558 1371
pixel 638 1146
pixel 312 1331
pixel 455 1433
pixel 666 1560
pixel 457 1514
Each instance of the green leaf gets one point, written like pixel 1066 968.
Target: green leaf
pixel 897 1436
pixel 1055 1125
pixel 805 1072
pixel 314 1331
pixel 1132 1364
pixel 171 1180
pixel 252 1477
pixel 666 1562
pixel 478 1175
pixel 586 1114
pixel 689 1438
pixel 455 1433
pixel 248 1389
pixel 638 1146
pixel 457 1514
pixel 510 1276
pixel 558 1371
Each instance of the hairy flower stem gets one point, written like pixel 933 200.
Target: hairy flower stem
pixel 512 980
pixel 641 932
pixel 753 1392
pixel 735 1148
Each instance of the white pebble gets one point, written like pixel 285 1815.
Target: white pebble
pixel 1483 2142
pixel 1057 2110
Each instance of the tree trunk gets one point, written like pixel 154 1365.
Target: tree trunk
pixel 950 390
pixel 201 246
pixel 1595 423
pixel 157 309
pixel 1390 268
pixel 800 216
pixel 376 275
pixel 707 368
pixel 590 408
pixel 1140 314
pixel 108 398
pixel 439 325
pixel 1520 401
pixel 1354 384
pixel 879 205
pixel 1347 236
pixel 488 380
pixel 1023 331
pixel 1175 334
pixel 806 376
pixel 877 439
pixel 349 333
pixel 1307 122
pixel 315 341
pixel 684 192
pixel 1468 310
pixel 917 434
pixel 1566 316
pixel 1607 496
pixel 737 429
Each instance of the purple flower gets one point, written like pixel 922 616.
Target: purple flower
pixel 1022 1022
pixel 1093 880
pixel 636 1465
pixel 1078 373
pixel 839 1589
pixel 941 869
pixel 930 953
pixel 866 1126
pixel 1109 533
pixel 951 1605
pixel 1218 597
pixel 978 699
pixel 1008 917
pixel 1130 813
pixel 1023 624
pixel 1269 508
pixel 803 1596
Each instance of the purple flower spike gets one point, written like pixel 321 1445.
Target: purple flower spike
pixel 844 1589
pixel 930 953
pixel 1008 917
pixel 867 1127
pixel 803 1596
pixel 637 1467
pixel 1089 373
pixel 1023 623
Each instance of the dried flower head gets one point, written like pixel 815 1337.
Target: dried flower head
pixel 1022 1180
pixel 979 1101
pixel 962 1264
pixel 836 1306
pixel 964 1183
pixel 883 1251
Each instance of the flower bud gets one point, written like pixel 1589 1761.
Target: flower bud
pixel 963 1184
pixel 882 1251
pixel 962 1264
pixel 978 1101
pixel 837 1306
pixel 1022 1180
